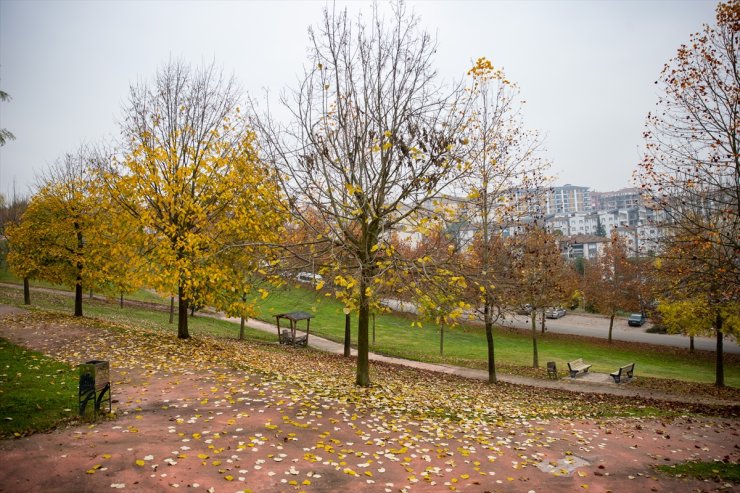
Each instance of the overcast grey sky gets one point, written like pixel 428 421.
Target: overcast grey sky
pixel 586 68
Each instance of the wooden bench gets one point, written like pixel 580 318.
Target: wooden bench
pixel 624 372
pixel 290 335
pixel 287 338
pixel 577 366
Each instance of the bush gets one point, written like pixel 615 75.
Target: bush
pixel 657 329
pixel 590 308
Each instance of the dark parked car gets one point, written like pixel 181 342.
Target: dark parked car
pixel 555 312
pixel 524 309
pixel 637 319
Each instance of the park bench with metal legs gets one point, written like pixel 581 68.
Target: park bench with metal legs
pixel 624 373
pixel 577 366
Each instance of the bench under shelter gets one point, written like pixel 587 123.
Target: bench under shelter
pixel 290 334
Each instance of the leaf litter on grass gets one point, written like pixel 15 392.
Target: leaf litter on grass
pixel 294 417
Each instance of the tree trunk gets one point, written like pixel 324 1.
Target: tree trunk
pixel 691 344
pixel 182 315
pixel 611 325
pixel 441 340
pixel 543 322
pixel 363 359
pixel 91 293
pixel 78 280
pixel 242 320
pixel 489 341
pixel 78 297
pixel 719 380
pixel 26 291
pixel 172 308
pixel 347 336
pixel 121 299
pixel 535 356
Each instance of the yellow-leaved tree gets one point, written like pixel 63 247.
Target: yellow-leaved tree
pixel 191 180
pixel 696 317
pixel 25 253
pixel 54 238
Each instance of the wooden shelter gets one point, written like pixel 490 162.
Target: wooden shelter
pixel 291 335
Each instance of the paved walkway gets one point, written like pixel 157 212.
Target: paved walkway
pixel 594 383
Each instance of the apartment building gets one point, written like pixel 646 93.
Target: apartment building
pixel 568 210
pixel 584 246
pixel 568 198
pixel 624 198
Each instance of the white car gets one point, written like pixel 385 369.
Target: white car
pixel 555 312
pixel 308 278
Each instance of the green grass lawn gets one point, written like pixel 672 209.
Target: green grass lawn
pixel 36 392
pixel 464 346
pixel 709 471
pixel 139 295
pixel 9 277
pixel 129 315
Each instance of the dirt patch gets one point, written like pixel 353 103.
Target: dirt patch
pixel 187 421
pixel 10 310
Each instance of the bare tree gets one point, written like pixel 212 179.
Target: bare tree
pixel 612 281
pixel 504 160
pixel 691 167
pixel 371 138
pixel 538 275
pixel 11 209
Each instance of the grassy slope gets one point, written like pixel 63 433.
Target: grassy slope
pixel 466 345
pixel 463 345
pixel 140 295
pixel 36 392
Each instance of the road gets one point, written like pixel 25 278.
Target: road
pixel 598 326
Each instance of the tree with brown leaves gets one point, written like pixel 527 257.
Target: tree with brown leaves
pixel 691 167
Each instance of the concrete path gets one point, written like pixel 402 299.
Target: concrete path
pixel 593 383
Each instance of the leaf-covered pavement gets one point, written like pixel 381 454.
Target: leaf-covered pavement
pixel 236 416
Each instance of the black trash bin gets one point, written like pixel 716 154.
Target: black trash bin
pixel 94 385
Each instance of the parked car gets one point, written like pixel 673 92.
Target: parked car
pixel 309 278
pixel 524 309
pixel 637 319
pixel 555 312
